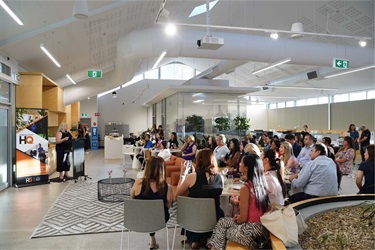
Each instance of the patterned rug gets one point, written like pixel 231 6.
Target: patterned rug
pixel 78 211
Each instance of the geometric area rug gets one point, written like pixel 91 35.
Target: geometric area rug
pixel 78 211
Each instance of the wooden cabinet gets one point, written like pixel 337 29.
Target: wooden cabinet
pixel 35 90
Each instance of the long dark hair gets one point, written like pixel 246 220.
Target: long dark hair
pixel 206 161
pixel 213 145
pixel 275 164
pixel 370 151
pixel 350 127
pixel 255 174
pixel 154 172
pixel 236 147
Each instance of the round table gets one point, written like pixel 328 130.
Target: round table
pixel 114 189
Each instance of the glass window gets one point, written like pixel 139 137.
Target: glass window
pixel 273 106
pixel 341 98
pixel 371 94
pixel 290 104
pixel 301 102
pixel 4 92
pixel 323 100
pixel 152 74
pixel 176 71
pixel 312 101
pixel 281 105
pixel 356 96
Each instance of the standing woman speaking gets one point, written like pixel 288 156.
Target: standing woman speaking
pixel 63 143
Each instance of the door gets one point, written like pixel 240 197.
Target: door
pixel 4 148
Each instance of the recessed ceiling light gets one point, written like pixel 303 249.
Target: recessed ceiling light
pixel 170 29
pixel 274 35
pixel 362 43
pixel 198 101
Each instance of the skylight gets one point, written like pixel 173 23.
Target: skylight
pixel 202 8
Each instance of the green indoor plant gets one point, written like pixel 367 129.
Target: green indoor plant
pixel 222 123
pixel 242 123
pixel 196 121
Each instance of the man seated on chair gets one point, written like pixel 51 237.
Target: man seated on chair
pixel 317 178
pixel 148 144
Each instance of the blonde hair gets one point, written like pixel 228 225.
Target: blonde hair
pixel 222 138
pixel 287 152
pixel 252 149
pixel 191 137
pixel 61 127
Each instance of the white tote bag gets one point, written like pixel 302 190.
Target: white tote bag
pixel 281 222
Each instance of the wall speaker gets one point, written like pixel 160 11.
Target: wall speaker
pixel 312 75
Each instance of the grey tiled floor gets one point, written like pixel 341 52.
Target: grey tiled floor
pixel 22 209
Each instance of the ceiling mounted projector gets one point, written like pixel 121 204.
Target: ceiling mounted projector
pixel 210 43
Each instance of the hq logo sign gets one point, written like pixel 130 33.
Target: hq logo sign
pixel 26 139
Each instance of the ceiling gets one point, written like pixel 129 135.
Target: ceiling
pixel 91 43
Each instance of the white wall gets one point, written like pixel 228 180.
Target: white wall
pixel 258 117
pixel 90 107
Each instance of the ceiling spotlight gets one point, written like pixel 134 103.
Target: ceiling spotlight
pixel 297 27
pixel 362 43
pixel 274 35
pixel 170 29
pixel 114 94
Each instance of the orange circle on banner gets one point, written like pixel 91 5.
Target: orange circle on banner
pixel 29 139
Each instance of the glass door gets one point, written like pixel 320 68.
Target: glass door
pixel 4 148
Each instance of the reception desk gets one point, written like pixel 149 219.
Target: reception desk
pixel 113 147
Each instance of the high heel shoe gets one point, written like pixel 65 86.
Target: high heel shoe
pixel 154 246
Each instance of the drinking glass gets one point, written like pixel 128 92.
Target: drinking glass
pixel 230 181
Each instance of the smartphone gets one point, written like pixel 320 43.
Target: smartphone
pixel 189 167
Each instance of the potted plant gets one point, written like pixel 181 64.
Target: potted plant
pixel 222 123
pixel 242 124
pixel 196 121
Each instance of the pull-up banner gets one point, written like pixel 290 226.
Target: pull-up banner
pixel 31 147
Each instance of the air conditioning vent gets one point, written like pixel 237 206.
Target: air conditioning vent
pixel 5 69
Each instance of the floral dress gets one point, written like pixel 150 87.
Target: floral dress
pixel 346 167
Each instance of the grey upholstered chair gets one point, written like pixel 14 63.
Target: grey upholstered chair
pixel 204 220
pixel 143 216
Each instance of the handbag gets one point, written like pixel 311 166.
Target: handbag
pixel 282 222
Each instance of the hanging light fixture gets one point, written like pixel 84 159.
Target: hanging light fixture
pixel 220 113
pixel 49 55
pixel 10 12
pixel 80 9
pixel 274 35
pixel 298 28
pixel 114 94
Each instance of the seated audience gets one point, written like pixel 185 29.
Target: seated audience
pixel 244 228
pixel 154 187
pixel 304 155
pixel 317 178
pixel 165 153
pixel 189 148
pixel 173 142
pixel 331 152
pixel 211 143
pixel 344 157
pixel 296 147
pixel 221 150
pixel 273 172
pixel 366 171
pixel 288 158
pixel 268 143
pixel 235 171
pixel 275 146
pixel 205 182
pixel 251 148
pixel 148 144
pixel 158 141
pixel 234 154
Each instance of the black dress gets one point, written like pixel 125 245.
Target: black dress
pixel 203 189
pixel 62 164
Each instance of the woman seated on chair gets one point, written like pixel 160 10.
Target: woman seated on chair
pixel 205 182
pixel 165 153
pixel 154 187
pixel 189 148
pixel 158 141
pixel 245 228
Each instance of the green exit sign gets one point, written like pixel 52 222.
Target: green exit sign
pixel 83 115
pixel 340 63
pixel 94 74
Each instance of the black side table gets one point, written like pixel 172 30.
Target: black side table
pixel 114 189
